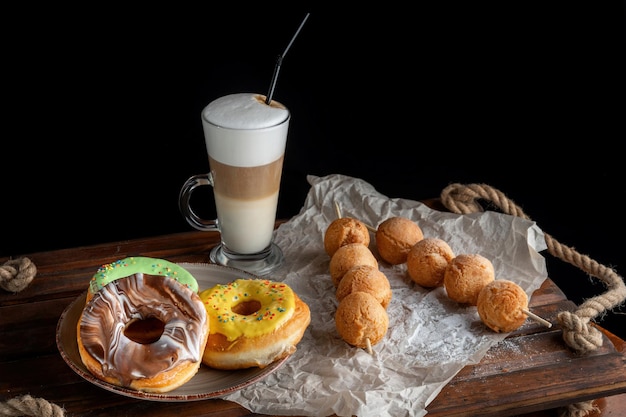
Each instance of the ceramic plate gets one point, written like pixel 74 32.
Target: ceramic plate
pixel 207 383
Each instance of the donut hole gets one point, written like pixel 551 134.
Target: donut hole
pixel 145 330
pixel 245 308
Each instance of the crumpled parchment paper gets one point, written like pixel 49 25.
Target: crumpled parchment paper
pixel 430 337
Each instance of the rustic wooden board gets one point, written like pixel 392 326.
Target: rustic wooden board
pixel 531 370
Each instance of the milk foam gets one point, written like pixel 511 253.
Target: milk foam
pixel 243 121
pixel 244 111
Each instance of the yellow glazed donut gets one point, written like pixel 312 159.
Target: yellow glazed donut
pixel 142 328
pixel 253 322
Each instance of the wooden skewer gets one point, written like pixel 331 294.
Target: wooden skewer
pixel 537 318
pixel 370 228
pixel 338 212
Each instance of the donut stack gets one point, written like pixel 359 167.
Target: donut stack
pixel 143 326
pixel 363 291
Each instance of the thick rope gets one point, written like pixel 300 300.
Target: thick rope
pixel 577 332
pixel 581 409
pixel 30 406
pixel 16 274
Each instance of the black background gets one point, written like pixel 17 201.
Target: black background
pixel 101 119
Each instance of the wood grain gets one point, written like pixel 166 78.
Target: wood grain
pixel 530 371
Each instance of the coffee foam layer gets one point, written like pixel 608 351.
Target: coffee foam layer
pixel 241 130
pixel 244 111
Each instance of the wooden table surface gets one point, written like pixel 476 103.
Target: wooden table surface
pixel 526 373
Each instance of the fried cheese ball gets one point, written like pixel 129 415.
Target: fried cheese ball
pixel 365 278
pixel 346 257
pixel 360 317
pixel 427 261
pixel 500 305
pixel 465 277
pixel 395 237
pixel 343 231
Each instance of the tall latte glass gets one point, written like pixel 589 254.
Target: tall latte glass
pixel 245 141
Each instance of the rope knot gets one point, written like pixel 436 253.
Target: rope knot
pixel 461 199
pixel 16 274
pixel 578 333
pixel 30 406
pixel 465 199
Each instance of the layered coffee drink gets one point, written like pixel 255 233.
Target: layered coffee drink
pixel 245 139
pixel 246 199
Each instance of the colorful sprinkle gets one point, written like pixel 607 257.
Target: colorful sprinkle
pixel 132 265
pixel 277 305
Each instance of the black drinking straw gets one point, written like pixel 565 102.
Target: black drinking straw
pixel 279 62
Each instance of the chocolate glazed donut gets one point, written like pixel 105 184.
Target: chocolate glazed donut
pixel 143 332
